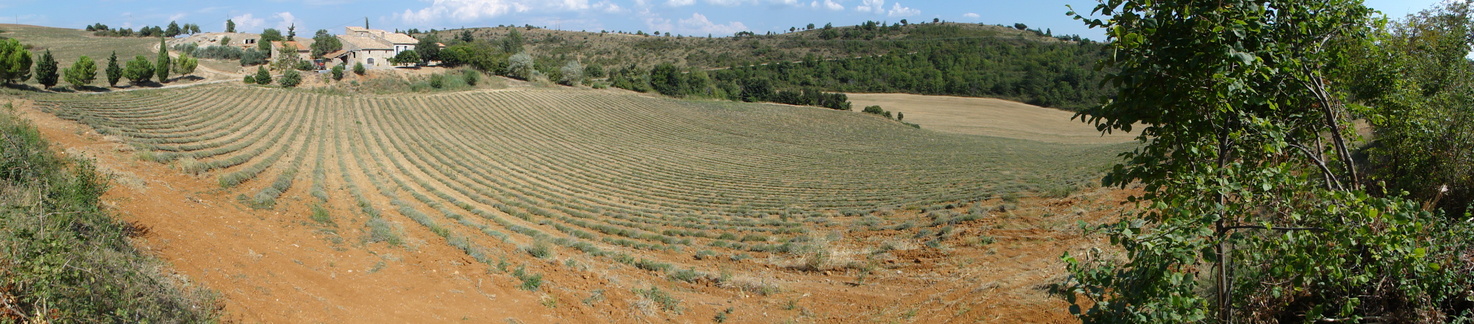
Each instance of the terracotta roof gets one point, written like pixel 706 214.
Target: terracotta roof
pixel 398 38
pixel 351 42
pixel 291 44
pixel 336 54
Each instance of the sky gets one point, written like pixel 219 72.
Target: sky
pixel 684 17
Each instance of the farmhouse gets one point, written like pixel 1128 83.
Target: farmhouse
pixel 372 47
pixel 303 51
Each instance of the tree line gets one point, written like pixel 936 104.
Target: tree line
pixel 174 29
pixel 16 67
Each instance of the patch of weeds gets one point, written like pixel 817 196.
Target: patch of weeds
pixel 549 301
pixel 688 275
pixel 723 315
pixel 705 254
pixel 792 304
pixel 530 281
pixel 594 297
pixel 985 240
pixel 321 216
pixel 740 257
pixel 664 299
pixel 539 249
pixel 377 266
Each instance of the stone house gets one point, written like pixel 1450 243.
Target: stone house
pixel 371 47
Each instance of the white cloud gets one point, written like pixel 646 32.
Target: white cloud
pixel 795 3
pixel 698 24
pixel 971 15
pixel 680 3
pixel 461 10
pixel 899 11
pixel 607 7
pixel 177 17
pixel 288 20
pixel 827 4
pixel 876 6
pixel 728 3
pixel 658 24
pixel 248 24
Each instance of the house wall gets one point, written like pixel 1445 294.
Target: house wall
pixel 380 58
pixel 402 47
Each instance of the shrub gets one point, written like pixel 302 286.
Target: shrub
pixel 253 57
pixel 520 66
pixel 572 73
pixel 337 72
pixel 82 73
pixel 290 79
pixel 263 77
pixel 250 79
pixel 665 300
pixel 359 69
pixel 138 70
pixel 46 73
pixel 471 77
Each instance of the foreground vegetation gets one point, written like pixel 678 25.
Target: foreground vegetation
pixel 1258 204
pixel 62 257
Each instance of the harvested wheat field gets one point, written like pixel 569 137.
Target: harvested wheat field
pixel 989 117
pixel 557 205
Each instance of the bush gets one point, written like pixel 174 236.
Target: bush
pixel 290 79
pixel 520 66
pixel 337 72
pixel 253 57
pixel 263 77
pixel 76 264
pixel 82 73
pixel 471 77
pixel 359 69
pixel 250 79
pixel 572 73
pixel 138 70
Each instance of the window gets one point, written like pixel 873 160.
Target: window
pixel 370 61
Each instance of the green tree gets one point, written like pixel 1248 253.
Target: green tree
pixel 667 79
pixel 358 67
pixel 185 64
pixel 263 77
pixel 138 70
pixel 292 32
pixel 173 30
pixel 572 73
pixel 324 43
pixel 406 57
pixel 428 48
pixel 113 71
pixel 1252 204
pixel 466 36
pixel 513 42
pixel 225 41
pixel 15 61
pixel 268 35
pixel 46 73
pixel 82 73
pixel 520 66
pixel 161 66
pixel 1420 87
pixel 290 79
pixel 337 72
pixel 229 26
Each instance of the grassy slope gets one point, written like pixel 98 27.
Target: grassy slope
pixel 62 258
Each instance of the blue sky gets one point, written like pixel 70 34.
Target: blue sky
pixel 688 17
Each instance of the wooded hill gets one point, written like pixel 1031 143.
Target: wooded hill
pixel 940 58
